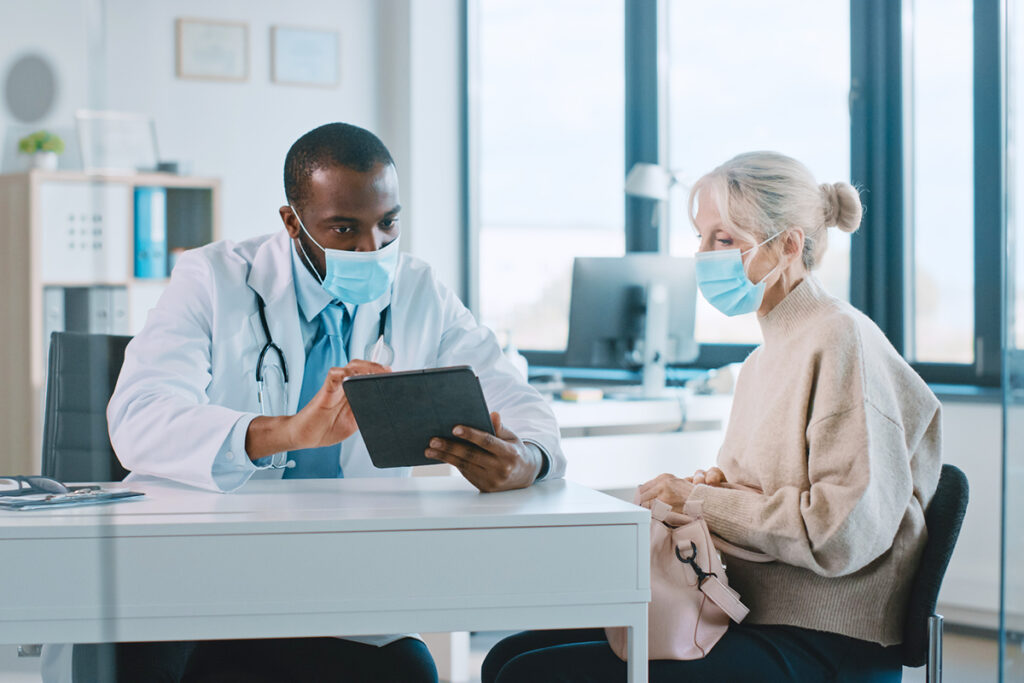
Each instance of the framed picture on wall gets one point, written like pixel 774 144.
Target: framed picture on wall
pixel 305 56
pixel 212 50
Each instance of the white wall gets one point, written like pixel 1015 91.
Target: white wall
pixel 239 132
pixel 53 29
pixel 419 55
pixel 399 77
pixel 972 440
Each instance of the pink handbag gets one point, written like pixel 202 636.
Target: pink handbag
pixel 691 602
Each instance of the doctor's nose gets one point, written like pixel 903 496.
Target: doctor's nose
pixel 369 242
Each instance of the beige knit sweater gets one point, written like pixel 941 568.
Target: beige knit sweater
pixel 844 440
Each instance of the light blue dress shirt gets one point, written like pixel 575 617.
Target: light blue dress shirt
pixel 232 466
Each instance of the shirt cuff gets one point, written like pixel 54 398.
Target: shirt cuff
pixel 231 466
pixel 545 459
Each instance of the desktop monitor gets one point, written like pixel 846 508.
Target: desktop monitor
pixel 608 313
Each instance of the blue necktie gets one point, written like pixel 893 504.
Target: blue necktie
pixel 328 351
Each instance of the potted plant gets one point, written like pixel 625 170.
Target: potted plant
pixel 43 148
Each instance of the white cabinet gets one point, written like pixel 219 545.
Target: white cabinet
pixel 68 262
pixel 85 228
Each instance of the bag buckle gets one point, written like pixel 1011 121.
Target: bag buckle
pixel 702 575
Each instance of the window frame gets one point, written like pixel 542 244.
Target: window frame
pixel 878 157
pixel 878 259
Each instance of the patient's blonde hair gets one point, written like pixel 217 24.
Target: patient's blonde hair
pixel 762 194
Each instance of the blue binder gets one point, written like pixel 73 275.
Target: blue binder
pixel 150 232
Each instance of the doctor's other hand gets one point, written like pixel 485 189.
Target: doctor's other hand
pixel 326 420
pixel 667 488
pixel 490 462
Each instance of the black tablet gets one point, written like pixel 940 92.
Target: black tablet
pixel 399 412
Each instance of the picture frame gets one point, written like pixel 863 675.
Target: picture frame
pixel 305 56
pixel 116 142
pixel 212 50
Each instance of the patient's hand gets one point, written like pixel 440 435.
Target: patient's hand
pixel 712 477
pixel 667 488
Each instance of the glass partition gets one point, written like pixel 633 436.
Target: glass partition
pixel 1012 593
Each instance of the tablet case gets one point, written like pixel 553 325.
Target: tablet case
pixel 399 412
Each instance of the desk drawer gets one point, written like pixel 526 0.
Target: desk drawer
pixel 265 574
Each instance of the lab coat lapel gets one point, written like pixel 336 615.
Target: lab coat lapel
pixel 270 276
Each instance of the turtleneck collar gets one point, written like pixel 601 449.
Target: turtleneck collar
pixel 807 300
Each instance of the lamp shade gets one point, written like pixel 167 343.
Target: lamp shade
pixel 648 180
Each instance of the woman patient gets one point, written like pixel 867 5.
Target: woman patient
pixel 828 422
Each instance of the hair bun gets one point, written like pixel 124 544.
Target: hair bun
pixel 842 207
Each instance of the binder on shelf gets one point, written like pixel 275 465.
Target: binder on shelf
pixel 98 310
pixel 119 318
pixel 150 232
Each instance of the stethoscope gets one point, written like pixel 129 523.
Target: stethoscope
pixel 378 352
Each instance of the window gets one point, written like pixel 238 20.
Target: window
pixel 903 99
pixel 939 138
pixel 550 152
pixel 735 87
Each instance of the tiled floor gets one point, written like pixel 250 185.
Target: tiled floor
pixel 968 659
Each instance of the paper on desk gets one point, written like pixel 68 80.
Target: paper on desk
pixel 38 501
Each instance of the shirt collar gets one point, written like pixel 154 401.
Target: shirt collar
pixel 312 298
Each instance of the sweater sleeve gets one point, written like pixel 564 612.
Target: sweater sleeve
pixel 845 516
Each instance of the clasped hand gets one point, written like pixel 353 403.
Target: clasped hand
pixel 674 490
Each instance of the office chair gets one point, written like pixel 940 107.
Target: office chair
pixel 922 631
pixel 81 375
pixel 83 370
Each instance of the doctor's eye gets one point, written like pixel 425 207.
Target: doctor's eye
pixel 389 223
pixel 724 241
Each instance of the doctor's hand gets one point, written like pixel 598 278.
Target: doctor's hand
pixel 490 462
pixel 666 488
pixel 326 420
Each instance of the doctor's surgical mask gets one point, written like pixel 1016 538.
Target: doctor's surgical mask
pixel 722 279
pixel 355 277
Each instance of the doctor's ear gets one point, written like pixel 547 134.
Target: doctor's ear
pixel 291 223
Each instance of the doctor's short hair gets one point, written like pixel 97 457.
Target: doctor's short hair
pixel 338 144
pixel 762 194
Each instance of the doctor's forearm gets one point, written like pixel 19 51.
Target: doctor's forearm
pixel 268 435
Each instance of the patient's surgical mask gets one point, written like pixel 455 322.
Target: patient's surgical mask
pixel 722 279
pixel 355 277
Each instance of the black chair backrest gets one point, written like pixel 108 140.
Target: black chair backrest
pixel 943 517
pixel 83 370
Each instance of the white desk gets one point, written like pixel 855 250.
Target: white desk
pixel 326 557
pixel 614 445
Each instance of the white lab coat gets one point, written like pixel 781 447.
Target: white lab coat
pixel 189 375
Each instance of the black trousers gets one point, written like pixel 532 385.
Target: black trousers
pixel 274 660
pixel 745 653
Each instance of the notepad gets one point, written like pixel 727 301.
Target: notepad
pixel 38 501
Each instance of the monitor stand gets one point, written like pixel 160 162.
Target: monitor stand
pixel 655 341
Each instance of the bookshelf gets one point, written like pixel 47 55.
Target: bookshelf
pixel 69 238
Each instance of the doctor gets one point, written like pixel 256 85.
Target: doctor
pixel 301 310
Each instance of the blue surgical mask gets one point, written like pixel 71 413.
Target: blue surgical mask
pixel 355 277
pixel 723 280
